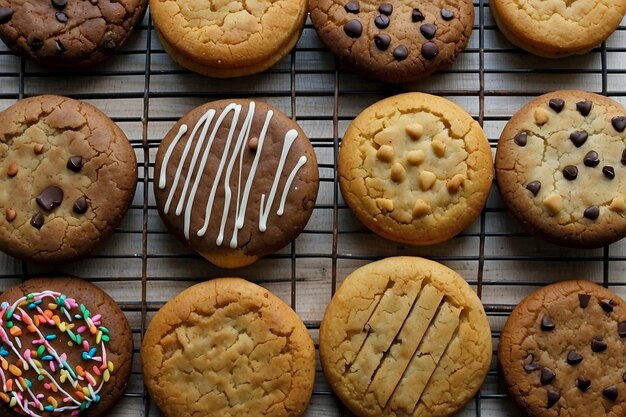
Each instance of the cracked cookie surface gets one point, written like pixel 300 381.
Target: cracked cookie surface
pixel 395 41
pixel 405 337
pixel 557 28
pixel 228 38
pixel 415 168
pixel 228 347
pixel 560 168
pixel 68 175
pixel 562 351
pixel 68 34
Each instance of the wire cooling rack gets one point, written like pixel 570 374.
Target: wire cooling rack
pixel 142 266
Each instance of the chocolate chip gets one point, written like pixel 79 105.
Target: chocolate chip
pixel 584 107
pixel 75 163
pixel 592 212
pixel 401 53
pixel 592 159
pixel 547 324
pixel 80 205
pixel 61 17
pixel 557 104
pixel 547 376
pixel 619 123
pixel 60 46
pixel 36 44
pixel 597 345
pixel 624 377
pixel 382 41
pixel 610 392
pixel 428 30
pixel 37 220
pixel 108 44
pixel 353 28
pixel 6 13
pixel 534 187
pixel 50 197
pixel 579 138
pixel 381 21
pixel 386 8
pixel 621 329
pixel 521 139
pixel 553 397
pixel 417 16
pixel 574 358
pixel 583 300
pixel 59 4
pixel 447 14
pixel 352 7
pixel 623 157
pixel 583 383
pixel 530 364
pixel 607 304
pixel 570 172
pixel 430 50
pixel 608 172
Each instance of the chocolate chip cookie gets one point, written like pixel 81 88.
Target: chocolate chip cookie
pixel 562 351
pixel 557 28
pixel 561 168
pixel 405 337
pixel 68 33
pixel 415 168
pixel 228 347
pixel 67 177
pixel 396 41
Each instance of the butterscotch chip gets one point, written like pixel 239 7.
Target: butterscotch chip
pixel 12 170
pixel 228 347
pixel 415 131
pixel 415 157
pixel 10 214
pixel 398 173
pixel 618 204
pixel 421 208
pixel 405 337
pixel 385 153
pixel 439 146
pixel 554 203
pixel 455 183
pixel 384 204
pixel 427 179
pixel 38 149
pixel 541 116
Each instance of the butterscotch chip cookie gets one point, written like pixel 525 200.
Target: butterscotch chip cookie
pixel 65 349
pixel 236 180
pixel 228 347
pixel 228 39
pixel 67 177
pixel 395 41
pixel 557 28
pixel 562 351
pixel 405 337
pixel 68 33
pixel 415 168
pixel 560 168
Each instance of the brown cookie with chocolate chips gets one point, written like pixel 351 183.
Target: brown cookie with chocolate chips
pixel 561 168
pixel 67 175
pixel 69 34
pixel 562 351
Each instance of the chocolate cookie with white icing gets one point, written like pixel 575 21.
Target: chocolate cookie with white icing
pixel 236 180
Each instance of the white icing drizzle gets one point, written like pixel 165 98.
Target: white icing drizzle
pixel 231 156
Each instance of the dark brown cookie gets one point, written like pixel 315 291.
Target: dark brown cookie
pixel 68 34
pixel 236 180
pixel 65 349
pixel 562 351
pixel 394 41
pixel 67 174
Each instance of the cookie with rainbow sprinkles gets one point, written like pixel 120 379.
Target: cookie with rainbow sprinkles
pixel 65 349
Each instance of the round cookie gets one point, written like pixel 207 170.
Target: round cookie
pixel 228 39
pixel 405 337
pixel 67 175
pixel 415 168
pixel 562 351
pixel 396 41
pixel 560 168
pixel 228 347
pixel 65 349
pixel 557 28
pixel 68 34
pixel 236 180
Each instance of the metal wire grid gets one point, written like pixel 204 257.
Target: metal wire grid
pixel 486 270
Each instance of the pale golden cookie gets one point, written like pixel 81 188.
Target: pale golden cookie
pixel 405 337
pixel 562 352
pixel 415 168
pixel 228 39
pixel 561 168
pixel 557 28
pixel 228 347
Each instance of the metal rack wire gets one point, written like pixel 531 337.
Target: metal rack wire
pixel 142 266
